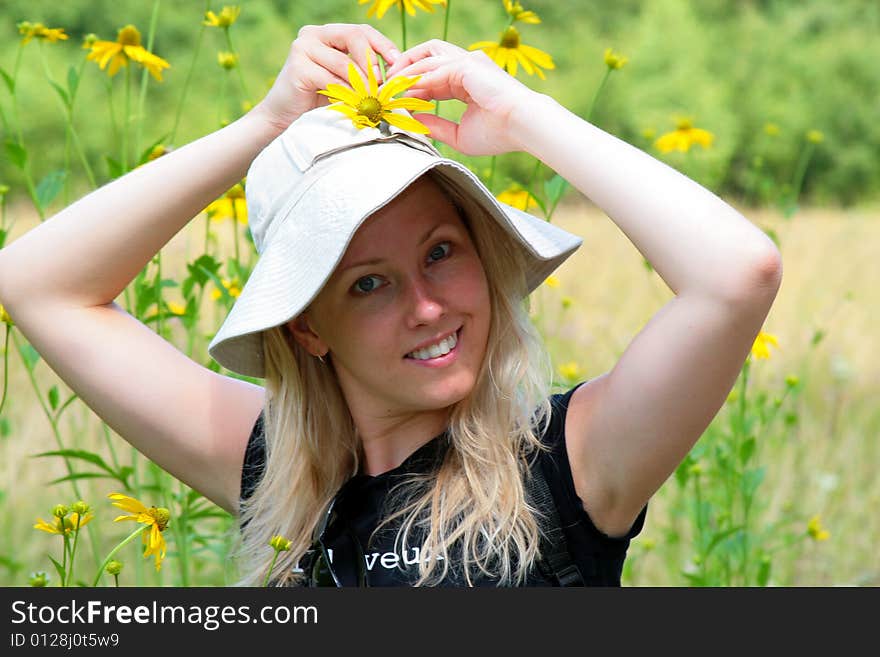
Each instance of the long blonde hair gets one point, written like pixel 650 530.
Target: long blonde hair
pixel 473 509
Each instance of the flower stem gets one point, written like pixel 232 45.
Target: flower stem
pixel 5 368
pixel 73 549
pixel 798 179
pixel 245 95
pixel 126 118
pixel 144 76
pixel 271 566
pixel 192 67
pixel 596 95
pixel 125 542
pixel 403 25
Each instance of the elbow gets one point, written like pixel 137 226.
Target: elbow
pixel 761 277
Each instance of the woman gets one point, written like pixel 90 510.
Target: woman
pixel 356 413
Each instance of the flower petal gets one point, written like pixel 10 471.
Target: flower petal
pixel 127 503
pixel 413 104
pixel 394 86
pixel 539 57
pixel 338 92
pixel 405 122
pixel 357 82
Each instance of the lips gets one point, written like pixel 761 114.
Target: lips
pixel 434 342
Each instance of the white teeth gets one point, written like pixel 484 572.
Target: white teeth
pixel 440 349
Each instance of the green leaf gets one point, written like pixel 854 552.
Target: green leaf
pixel 681 472
pixel 197 270
pixel 764 571
pixel 16 154
pixel 11 564
pixel 61 92
pixel 30 355
pixel 747 449
pixel 220 287
pixel 83 475
pixel 53 397
pixel 5 427
pixel 114 168
pixel 83 455
pixel 48 187
pixel 3 235
pixel 10 83
pixel 554 189
pixel 58 567
pixel 752 479
pixel 72 82
pixel 717 538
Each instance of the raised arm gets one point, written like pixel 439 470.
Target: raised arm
pixel 59 281
pixel 627 430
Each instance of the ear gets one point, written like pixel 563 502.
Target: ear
pixel 301 330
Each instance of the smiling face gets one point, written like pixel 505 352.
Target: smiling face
pixel 423 284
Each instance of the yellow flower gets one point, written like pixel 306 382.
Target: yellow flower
pixel 279 543
pixel 551 281
pixel 63 525
pixel 518 198
pixel 155 518
pixel 508 52
pixel 4 316
pixel 614 60
pixel 228 60
pixel 158 151
pixel 176 308
pixel 232 205
pixel 126 48
pixel 30 31
pixel 367 106
pixel 761 347
pixel 683 137
pixel 226 17
pixel 113 567
pixel 771 129
pixel 815 136
pixel 379 7
pixel 516 12
pixel 570 370
pixel 816 531
pixel 232 287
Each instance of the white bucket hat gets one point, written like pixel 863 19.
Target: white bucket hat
pixel 307 194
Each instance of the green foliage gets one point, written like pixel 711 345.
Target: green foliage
pixel 732 66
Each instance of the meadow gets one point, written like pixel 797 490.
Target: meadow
pixel 781 487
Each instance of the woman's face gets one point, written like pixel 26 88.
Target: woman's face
pixel 411 278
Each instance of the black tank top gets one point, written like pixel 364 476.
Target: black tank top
pixel 598 556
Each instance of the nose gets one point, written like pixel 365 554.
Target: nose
pixel 425 304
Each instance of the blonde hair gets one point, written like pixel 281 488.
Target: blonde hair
pixel 473 509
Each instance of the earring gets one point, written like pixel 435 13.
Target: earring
pixel 321 358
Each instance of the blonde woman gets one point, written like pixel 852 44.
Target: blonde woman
pixel 406 408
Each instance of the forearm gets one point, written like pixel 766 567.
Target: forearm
pixel 695 241
pixel 87 253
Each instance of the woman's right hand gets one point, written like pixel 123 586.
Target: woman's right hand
pixel 318 56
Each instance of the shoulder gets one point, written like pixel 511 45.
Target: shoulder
pixel 567 434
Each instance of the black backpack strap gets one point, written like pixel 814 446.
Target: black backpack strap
pixel 554 547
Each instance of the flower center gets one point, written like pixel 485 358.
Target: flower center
pixel 510 38
pixel 162 515
pixel 371 108
pixel 129 36
pixel 684 124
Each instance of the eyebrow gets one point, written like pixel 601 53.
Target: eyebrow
pixel 379 261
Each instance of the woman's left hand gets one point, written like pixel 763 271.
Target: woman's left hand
pixel 492 96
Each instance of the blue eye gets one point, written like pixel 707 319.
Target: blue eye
pixel 368 288
pixel 438 251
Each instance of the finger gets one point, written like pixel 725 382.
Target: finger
pixel 335 61
pixel 441 129
pixel 427 49
pixel 420 67
pixel 355 39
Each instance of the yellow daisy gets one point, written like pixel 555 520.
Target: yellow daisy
pixel 63 525
pixel 761 347
pixel 30 31
pixel 551 281
pixel 155 518
pixel 367 106
pixel 816 531
pixel 683 137
pixel 226 17
pixel 227 60
pixel 614 60
pixel 233 287
pixel 379 7
pixel 570 371
pixel 516 12
pixel 232 205
pixel 510 51
pixel 518 198
pixel 127 47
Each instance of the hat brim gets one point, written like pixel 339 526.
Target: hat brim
pixel 281 286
